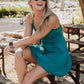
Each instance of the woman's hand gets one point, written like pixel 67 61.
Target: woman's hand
pixel 19 52
pixel 6 50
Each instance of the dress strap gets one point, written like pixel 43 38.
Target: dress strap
pixel 33 23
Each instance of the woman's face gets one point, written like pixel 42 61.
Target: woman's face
pixel 38 4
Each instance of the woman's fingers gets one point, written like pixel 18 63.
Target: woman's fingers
pixel 19 52
pixel 6 51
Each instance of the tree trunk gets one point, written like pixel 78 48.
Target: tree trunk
pixel 82 7
pixel 62 5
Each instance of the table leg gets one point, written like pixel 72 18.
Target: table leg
pixel 77 73
pixel 79 38
pixel 71 75
pixel 68 42
pixel 3 65
pixel 77 77
pixel 21 20
pixel 52 79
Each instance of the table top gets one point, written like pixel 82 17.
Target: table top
pixel 75 26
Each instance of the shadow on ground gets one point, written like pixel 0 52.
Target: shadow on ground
pixel 5 80
pixel 40 81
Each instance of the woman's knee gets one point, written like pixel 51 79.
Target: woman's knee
pixel 25 54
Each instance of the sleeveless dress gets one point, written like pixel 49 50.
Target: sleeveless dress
pixel 52 54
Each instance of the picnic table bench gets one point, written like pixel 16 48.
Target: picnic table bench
pixel 77 55
pixel 74 29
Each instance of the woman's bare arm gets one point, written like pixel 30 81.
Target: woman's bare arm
pixel 38 34
pixel 28 29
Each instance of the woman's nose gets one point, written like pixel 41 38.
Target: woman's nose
pixel 40 0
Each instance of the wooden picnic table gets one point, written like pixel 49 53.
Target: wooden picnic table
pixel 77 55
pixel 75 29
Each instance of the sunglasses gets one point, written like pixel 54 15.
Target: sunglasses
pixel 38 0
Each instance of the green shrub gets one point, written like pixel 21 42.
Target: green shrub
pixel 12 11
pixel 0 14
pixel 4 12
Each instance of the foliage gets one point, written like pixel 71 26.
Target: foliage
pixel 12 11
pixel 79 19
pixel 3 12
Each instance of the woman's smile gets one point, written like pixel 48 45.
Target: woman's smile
pixel 39 4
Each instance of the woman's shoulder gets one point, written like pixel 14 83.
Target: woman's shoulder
pixel 54 19
pixel 29 18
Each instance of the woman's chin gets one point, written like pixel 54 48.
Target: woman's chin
pixel 39 9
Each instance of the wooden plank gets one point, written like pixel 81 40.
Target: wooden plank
pixel 76 59
pixel 75 41
pixel 75 26
pixel 81 71
pixel 2 46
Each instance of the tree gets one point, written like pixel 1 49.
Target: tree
pixel 82 7
pixel 57 1
pixel 62 5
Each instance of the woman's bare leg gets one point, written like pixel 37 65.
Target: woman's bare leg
pixel 20 68
pixel 20 64
pixel 36 73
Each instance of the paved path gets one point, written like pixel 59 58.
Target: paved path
pixel 10 24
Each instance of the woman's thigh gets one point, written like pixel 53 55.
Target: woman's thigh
pixel 27 55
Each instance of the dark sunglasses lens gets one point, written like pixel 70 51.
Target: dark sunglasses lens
pixel 35 0
pixel 44 0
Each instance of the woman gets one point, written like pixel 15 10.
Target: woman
pixel 51 56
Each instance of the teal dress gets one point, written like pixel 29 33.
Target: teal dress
pixel 52 54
